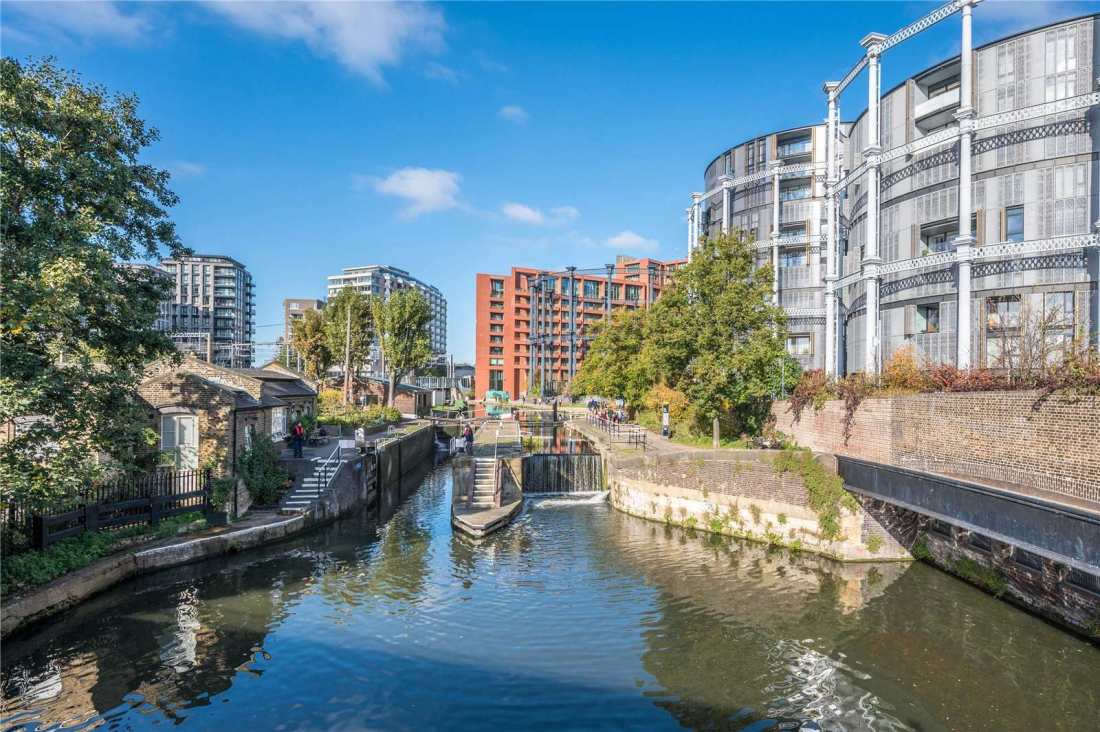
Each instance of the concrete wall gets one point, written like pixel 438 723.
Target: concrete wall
pixel 1018 437
pixel 398 457
pixel 739 493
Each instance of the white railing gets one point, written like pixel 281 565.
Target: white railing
pixel 1033 247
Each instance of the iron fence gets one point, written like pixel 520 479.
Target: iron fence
pixel 114 505
pixel 630 434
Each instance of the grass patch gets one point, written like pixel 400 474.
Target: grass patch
pixel 33 568
pixel 920 550
pixel 825 490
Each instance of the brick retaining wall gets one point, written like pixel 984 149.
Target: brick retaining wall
pixel 1051 443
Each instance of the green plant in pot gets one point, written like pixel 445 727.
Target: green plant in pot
pixel 221 493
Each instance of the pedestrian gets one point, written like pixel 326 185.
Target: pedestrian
pixel 297 438
pixel 468 436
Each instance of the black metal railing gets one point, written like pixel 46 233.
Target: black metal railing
pixel 622 432
pixel 109 506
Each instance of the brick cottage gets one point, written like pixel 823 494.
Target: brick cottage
pixel 208 414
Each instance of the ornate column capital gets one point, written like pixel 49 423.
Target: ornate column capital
pixel 696 198
pixel 830 88
pixel 873 43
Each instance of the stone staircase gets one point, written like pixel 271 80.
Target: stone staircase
pixel 484 483
pixel 308 490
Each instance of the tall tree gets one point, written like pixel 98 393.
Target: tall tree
pixel 714 336
pixel 308 339
pixel 348 313
pixel 75 324
pixel 612 366
pixel 717 336
pixel 402 323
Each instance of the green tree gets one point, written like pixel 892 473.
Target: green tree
pixel 75 323
pixel 309 341
pixel 347 309
pixel 402 322
pixel 717 337
pixel 714 336
pixel 613 366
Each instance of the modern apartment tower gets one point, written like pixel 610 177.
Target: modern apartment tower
pixel 295 309
pixel 379 280
pixel 773 189
pixel 961 213
pixel 212 308
pixel 533 326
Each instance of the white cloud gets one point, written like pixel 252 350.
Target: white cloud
pixel 530 215
pixel 439 72
pixel 524 214
pixel 565 213
pixel 78 20
pixel 363 36
pixel 425 190
pixel 628 239
pixel 188 168
pixel 513 113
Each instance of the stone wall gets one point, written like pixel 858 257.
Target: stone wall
pixel 1017 437
pixel 739 493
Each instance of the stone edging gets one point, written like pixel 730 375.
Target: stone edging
pixel 81 584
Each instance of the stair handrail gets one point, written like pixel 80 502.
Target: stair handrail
pixel 496 469
pixel 326 464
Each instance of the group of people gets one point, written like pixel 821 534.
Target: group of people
pixel 614 413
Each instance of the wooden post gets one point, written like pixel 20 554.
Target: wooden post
pixel 715 441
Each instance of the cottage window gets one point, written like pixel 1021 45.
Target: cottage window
pixel 179 435
pixel 278 423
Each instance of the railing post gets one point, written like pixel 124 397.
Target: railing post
pixel 38 532
pixel 91 517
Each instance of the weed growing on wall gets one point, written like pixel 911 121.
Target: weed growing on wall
pixel 825 490
pixel 980 575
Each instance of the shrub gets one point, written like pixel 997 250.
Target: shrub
pixel 259 468
pixel 220 493
pixel 812 388
pixel 679 407
pixel 901 372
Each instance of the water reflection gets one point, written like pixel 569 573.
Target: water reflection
pixel 575 616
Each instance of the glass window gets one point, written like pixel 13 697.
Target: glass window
pixel 794 191
pixel 793 258
pixel 1014 223
pixel 591 289
pixel 633 292
pixel 496 380
pixel 496 351
pixel 496 316
pixel 278 423
pixel 496 287
pixel 496 328
pixel 800 344
pixel 928 318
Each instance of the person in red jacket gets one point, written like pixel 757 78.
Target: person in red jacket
pixel 297 438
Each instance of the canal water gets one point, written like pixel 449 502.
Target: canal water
pixel 574 617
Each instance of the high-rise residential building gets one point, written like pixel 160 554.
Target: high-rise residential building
pixel 212 308
pixel 958 216
pixel 379 280
pixel 295 308
pixel 533 326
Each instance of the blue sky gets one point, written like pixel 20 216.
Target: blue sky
pixel 450 139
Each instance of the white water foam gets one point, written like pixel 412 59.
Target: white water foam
pixel 561 500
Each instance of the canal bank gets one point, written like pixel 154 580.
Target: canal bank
pixel 574 616
pixel 768 496
pixel 355 481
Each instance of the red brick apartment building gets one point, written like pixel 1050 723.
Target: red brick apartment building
pixel 533 325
